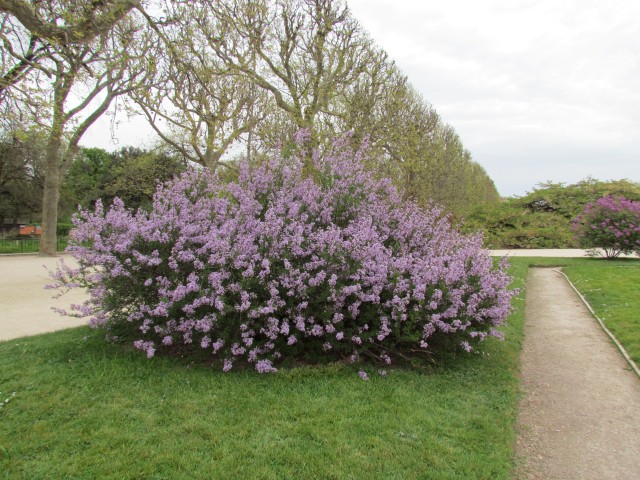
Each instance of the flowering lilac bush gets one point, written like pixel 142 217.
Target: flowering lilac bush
pixel 610 223
pixel 282 264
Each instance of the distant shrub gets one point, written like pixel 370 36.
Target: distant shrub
pixel 508 225
pixel 63 229
pixel 543 217
pixel 283 264
pixel 611 224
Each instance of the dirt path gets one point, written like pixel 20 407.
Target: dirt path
pixel 25 305
pixel 580 414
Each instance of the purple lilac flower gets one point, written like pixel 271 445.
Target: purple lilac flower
pixel 265 366
pixel 283 256
pixel 228 364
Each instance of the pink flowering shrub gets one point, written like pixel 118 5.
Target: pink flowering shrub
pixel 279 264
pixel 610 223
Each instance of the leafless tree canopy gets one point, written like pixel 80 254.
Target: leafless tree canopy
pixel 211 75
pixel 68 21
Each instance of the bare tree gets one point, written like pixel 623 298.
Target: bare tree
pixel 193 101
pixel 67 22
pixel 65 92
pixel 411 144
pixel 57 22
pixel 303 53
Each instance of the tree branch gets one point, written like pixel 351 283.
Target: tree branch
pixel 74 141
pixel 83 32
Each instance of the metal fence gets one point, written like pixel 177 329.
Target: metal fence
pixel 27 245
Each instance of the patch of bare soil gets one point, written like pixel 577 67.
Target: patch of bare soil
pixel 580 412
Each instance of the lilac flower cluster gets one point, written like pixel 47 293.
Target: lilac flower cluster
pixel 610 223
pixel 283 263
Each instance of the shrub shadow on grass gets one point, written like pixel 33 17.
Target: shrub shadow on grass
pixel 86 349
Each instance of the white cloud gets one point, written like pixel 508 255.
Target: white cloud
pixel 538 90
pixel 110 135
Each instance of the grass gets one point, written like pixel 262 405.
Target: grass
pixel 613 291
pixel 86 409
pixel 83 410
pixel 27 245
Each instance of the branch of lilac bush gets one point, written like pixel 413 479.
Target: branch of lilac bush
pixel 281 263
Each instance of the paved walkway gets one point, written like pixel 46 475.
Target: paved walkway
pixel 536 252
pixel 580 415
pixel 25 305
pixel 545 252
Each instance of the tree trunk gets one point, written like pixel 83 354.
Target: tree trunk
pixel 212 159
pixel 48 239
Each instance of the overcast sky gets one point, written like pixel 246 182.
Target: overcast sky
pixel 537 89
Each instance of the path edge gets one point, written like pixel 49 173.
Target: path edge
pixel 622 350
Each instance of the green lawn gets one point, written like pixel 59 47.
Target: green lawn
pixel 613 291
pixel 86 409
pixel 83 409
pixel 27 245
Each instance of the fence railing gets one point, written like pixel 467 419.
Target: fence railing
pixel 27 245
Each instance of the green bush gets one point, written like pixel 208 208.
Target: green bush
pixel 611 224
pixel 543 217
pixel 62 229
pixel 508 225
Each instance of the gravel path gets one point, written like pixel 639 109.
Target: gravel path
pixel 25 305
pixel 580 414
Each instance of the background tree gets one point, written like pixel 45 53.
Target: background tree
pixel 217 77
pixel 193 102
pixel 131 174
pixel 136 173
pixel 68 90
pixel 21 176
pixel 303 53
pixel 569 200
pixel 69 22
pixel 411 143
pixel 255 71
pixel 85 181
